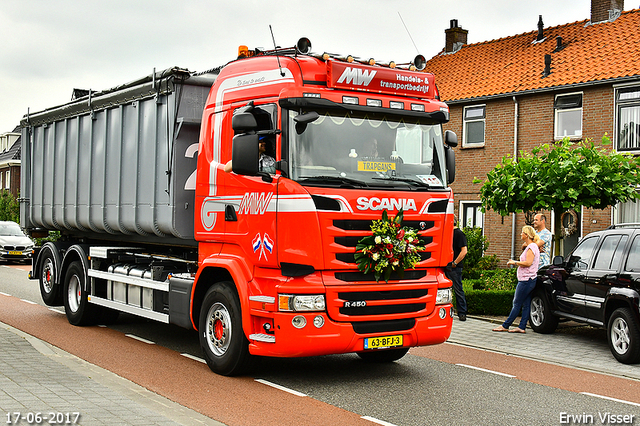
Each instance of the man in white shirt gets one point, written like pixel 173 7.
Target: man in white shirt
pixel 540 225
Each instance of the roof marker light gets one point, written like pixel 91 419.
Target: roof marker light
pixel 417 107
pixel 396 105
pixel 374 102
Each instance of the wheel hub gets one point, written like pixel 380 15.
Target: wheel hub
pixel 218 329
pixel 620 336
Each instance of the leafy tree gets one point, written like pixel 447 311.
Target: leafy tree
pixel 9 207
pixel 475 261
pixel 561 177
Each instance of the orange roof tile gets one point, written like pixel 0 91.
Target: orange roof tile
pixel 511 65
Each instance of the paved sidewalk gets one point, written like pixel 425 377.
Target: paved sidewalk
pixel 36 377
pixel 573 346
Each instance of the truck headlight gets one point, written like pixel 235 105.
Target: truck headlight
pixel 443 296
pixel 301 302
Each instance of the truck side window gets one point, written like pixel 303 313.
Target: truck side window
pixel 633 261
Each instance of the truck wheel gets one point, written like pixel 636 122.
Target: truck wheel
pixel 50 290
pixel 385 355
pixel 542 319
pixel 225 347
pixel 624 336
pixel 76 305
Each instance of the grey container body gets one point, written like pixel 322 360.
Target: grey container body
pixel 117 165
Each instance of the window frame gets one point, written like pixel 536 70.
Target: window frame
pixel 462 209
pixel 558 109
pixel 619 104
pixel 483 120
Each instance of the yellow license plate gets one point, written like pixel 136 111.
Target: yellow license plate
pixel 15 253
pixel 382 342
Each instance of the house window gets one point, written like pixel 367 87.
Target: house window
pixel 568 116
pixel 473 123
pixel 628 110
pixel 628 212
pixel 470 213
pixel 7 180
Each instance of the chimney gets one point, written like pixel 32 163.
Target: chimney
pixel 540 36
pixel 605 10
pixel 455 37
pixel 547 66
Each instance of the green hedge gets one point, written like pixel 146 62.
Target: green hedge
pixel 486 302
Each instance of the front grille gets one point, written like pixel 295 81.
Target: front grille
pixel 347 234
pixel 383 310
pixel 360 276
pixel 14 248
pixel 378 303
pixel 367 327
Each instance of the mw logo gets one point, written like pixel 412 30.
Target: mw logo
pixel 255 202
pixel 357 76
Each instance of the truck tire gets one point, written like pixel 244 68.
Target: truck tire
pixel 542 320
pixel 385 355
pixel 50 289
pixel 225 347
pixel 623 335
pixel 76 305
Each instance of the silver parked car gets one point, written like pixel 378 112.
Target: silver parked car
pixel 14 244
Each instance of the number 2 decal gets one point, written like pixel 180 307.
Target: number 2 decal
pixel 190 184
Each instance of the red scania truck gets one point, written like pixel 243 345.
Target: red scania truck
pixel 259 260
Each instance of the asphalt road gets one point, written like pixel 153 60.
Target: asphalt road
pixel 430 386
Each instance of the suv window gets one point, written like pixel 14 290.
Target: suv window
pixel 610 253
pixel 633 261
pixel 581 257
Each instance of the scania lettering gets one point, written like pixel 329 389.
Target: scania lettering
pixel 390 204
pixel 164 210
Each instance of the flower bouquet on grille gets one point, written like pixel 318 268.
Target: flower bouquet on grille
pixel 391 248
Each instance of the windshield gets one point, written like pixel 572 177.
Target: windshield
pixel 9 229
pixel 352 149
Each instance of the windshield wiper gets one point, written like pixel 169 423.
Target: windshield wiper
pixel 407 180
pixel 339 179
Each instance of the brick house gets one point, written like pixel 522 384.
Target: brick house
pixel 10 162
pixel 580 80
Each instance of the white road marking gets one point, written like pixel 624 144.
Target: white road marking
pixel 57 311
pixel 374 420
pixel 282 388
pixel 5 294
pixel 29 301
pixel 610 399
pixel 486 371
pixel 195 358
pixel 133 336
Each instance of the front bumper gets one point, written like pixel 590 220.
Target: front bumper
pixel 340 337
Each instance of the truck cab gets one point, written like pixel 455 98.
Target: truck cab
pixel 349 140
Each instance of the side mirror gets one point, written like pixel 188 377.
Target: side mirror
pixel 303 119
pixel 245 154
pixel 450 138
pixel 244 122
pixel 450 158
pixel 557 261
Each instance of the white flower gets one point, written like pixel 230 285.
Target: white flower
pixel 378 240
pixel 375 256
pixel 396 263
pixel 410 239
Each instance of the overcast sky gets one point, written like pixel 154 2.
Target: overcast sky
pixel 50 47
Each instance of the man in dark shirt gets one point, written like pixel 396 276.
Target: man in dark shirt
pixel 454 271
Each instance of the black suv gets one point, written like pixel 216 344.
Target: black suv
pixel 598 284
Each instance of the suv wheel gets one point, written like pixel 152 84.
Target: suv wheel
pixel 624 336
pixel 542 320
